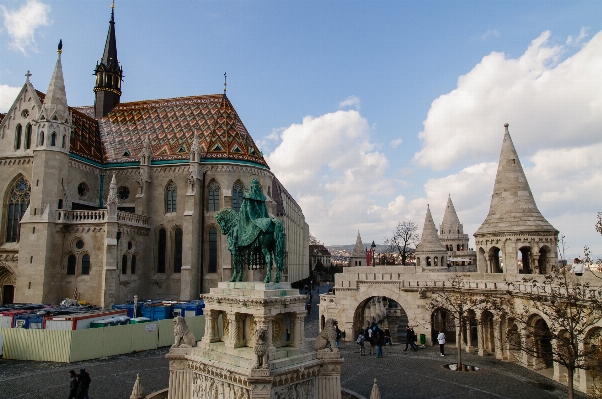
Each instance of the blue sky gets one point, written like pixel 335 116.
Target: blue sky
pixel 366 110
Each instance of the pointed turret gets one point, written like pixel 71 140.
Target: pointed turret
pixel 108 74
pixel 512 208
pixel 358 256
pixel 55 103
pixel 451 223
pixel 430 251
pixel 429 241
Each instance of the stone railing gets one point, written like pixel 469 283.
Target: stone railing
pixel 95 216
pixel 133 219
pixel 100 216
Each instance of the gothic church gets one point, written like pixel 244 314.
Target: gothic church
pixel 119 199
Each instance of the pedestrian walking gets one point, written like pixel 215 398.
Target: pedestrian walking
pixel 577 267
pixel 414 338
pixel 72 385
pixel 441 339
pixel 83 384
pixel 308 307
pixel 388 336
pixel 370 335
pixel 338 338
pixel 380 341
pixel 361 339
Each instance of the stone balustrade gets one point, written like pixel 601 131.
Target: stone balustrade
pixel 100 216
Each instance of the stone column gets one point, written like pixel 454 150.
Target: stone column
pixel 481 339
pixel 211 334
pixel 328 382
pixel 497 337
pixel 527 359
pixel 298 329
pixel 469 348
pixel 233 330
pixel 180 377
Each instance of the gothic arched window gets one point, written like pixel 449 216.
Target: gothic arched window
pixel 64 141
pixel 71 261
pixel 161 251
pixel 53 139
pixel 18 130
pixel 133 266
pixel 237 191
pixel 177 255
pixel 86 264
pixel 41 138
pixel 213 196
pixel 28 136
pixel 18 201
pixel 213 250
pixel 171 198
pixel 124 264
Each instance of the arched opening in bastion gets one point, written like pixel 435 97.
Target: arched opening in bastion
pixel 542 343
pixel 496 264
pixel 443 320
pixel 383 312
pixel 488 332
pixel 593 339
pixel 524 253
pixel 542 261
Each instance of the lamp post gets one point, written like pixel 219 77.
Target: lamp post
pixel 373 246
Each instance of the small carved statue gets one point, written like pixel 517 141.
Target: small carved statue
pixel 184 337
pixel 260 347
pixel 327 337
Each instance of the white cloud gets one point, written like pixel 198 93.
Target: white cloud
pixel 331 167
pixel 7 97
pixel 395 143
pixel 489 33
pixel 351 101
pixel 21 24
pixel 548 105
pixel 577 41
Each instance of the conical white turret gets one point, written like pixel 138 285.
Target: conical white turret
pixel 55 103
pixel 429 241
pixel 512 208
pixel 358 256
pixel 451 223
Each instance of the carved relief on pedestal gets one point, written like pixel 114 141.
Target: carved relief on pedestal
pixel 300 390
pixel 208 387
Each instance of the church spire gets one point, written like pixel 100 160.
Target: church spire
pixel 55 103
pixel 513 207
pixel 451 223
pixel 429 242
pixel 108 74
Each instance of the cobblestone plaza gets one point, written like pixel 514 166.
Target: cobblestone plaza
pixel 400 374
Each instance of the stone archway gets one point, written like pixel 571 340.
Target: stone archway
pixel 443 321
pixel 7 284
pixel 376 310
pixel 494 254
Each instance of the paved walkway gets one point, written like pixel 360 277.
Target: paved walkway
pixel 400 374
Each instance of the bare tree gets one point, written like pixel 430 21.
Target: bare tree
pixel 596 373
pixel 404 239
pixel 570 310
pixel 595 266
pixel 458 301
pixel 314 241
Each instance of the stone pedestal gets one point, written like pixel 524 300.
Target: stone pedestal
pixel 228 367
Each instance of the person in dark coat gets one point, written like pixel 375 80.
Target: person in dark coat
pixel 72 385
pixel 84 380
pixel 380 341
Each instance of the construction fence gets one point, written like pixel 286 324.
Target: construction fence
pixel 93 343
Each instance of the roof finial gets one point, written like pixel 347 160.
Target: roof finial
pixel 225 84
pixel 113 4
pixel 506 127
pixel 60 50
pixel 27 75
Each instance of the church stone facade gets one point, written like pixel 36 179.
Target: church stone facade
pixel 119 199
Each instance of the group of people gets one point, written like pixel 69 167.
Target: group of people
pixel 79 385
pixel 376 338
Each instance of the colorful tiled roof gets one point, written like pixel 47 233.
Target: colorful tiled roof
pixel 171 125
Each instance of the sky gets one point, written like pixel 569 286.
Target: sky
pixel 366 111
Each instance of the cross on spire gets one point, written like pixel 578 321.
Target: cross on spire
pixel 225 84
pixel 27 75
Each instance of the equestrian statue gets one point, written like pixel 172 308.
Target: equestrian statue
pixel 251 231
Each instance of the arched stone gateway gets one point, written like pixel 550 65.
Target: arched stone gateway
pixel 384 312
pixel 7 284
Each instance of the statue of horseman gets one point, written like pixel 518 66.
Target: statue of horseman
pixel 252 228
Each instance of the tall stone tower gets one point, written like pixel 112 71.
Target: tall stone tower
pixel 451 234
pixel 358 256
pixel 39 264
pixel 108 75
pixel 430 252
pixel 515 237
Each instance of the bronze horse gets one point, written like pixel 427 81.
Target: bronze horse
pixel 270 241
